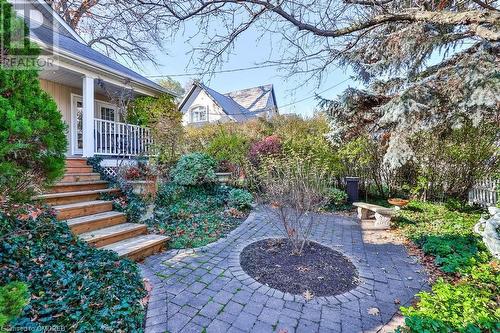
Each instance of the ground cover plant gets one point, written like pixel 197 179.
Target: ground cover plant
pixel 193 209
pixel 71 284
pixel 465 298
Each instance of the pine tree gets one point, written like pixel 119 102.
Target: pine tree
pixel 32 134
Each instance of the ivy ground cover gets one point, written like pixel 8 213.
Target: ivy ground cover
pixel 465 299
pixel 194 216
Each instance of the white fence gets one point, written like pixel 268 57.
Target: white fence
pixel 120 139
pixel 484 193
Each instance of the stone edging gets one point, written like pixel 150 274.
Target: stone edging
pixel 364 288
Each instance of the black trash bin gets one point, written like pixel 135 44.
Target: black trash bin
pixel 352 189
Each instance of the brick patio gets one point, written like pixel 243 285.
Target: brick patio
pixel 206 289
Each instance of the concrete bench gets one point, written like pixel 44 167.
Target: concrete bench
pixel 382 215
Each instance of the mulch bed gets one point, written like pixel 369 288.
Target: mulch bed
pixel 319 270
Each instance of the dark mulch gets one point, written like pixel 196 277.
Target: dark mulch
pixel 319 269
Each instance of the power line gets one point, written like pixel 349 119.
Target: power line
pixel 214 72
pixel 312 96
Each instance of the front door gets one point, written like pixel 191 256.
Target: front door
pixel 76 125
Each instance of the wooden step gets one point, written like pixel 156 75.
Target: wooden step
pixel 79 186
pixel 116 233
pixel 76 162
pixel 139 247
pixel 85 208
pixel 80 177
pixel 80 225
pixel 72 197
pixel 79 169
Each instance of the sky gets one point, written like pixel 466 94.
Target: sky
pixel 291 95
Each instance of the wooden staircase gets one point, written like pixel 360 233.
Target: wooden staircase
pixel 76 200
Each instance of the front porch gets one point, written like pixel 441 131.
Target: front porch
pixel 93 109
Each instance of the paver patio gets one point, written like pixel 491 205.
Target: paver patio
pixel 206 289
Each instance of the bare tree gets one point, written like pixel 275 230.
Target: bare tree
pixel 119 29
pixel 292 191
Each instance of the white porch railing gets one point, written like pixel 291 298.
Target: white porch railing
pixel 120 139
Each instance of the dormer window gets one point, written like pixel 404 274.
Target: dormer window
pixel 199 114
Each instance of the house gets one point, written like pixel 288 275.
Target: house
pixel 203 105
pixel 84 83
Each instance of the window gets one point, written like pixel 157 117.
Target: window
pixel 199 114
pixel 107 113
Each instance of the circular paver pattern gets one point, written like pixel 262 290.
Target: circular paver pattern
pixel 317 271
pixel 206 289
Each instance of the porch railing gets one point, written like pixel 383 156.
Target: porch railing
pixel 120 139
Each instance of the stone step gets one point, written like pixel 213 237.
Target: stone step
pixel 114 234
pixel 83 224
pixel 85 208
pixel 139 247
pixel 76 162
pixel 79 169
pixel 80 177
pixel 73 197
pixel 78 186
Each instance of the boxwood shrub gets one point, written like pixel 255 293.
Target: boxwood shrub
pixel 71 284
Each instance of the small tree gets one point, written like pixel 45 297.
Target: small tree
pixel 292 191
pixel 32 133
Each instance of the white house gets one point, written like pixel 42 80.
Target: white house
pixel 80 80
pixel 203 105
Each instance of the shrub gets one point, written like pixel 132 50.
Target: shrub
pixel 240 199
pixel 13 298
pixel 194 169
pixel 336 198
pixel 232 147
pixel 72 284
pixel 291 189
pixel 32 133
pixel 268 147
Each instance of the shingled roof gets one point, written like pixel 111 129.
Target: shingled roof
pixel 239 104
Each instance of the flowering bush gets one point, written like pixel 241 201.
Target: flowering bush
pixel 269 146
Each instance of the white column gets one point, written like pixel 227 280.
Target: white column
pixel 88 116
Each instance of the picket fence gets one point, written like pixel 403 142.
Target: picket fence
pixel 484 192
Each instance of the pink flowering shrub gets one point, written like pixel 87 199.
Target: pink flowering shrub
pixel 269 146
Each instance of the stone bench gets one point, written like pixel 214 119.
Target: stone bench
pixel 383 215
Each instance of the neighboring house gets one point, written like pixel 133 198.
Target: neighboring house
pixel 80 80
pixel 203 105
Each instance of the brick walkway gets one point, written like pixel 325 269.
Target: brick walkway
pixel 205 289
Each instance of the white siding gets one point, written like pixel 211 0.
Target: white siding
pixel 200 98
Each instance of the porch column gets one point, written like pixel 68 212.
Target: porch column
pixel 88 116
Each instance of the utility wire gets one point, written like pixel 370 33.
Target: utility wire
pixel 214 72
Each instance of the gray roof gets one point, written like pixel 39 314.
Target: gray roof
pixel 68 44
pixel 240 104
pixel 253 99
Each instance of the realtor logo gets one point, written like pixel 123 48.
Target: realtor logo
pixel 28 37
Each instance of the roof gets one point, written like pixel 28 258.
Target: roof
pixel 74 47
pixel 240 104
pixel 253 99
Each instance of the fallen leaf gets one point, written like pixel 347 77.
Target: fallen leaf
pixel 308 295
pixel 397 301
pixel 373 311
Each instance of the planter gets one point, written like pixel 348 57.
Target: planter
pixel 144 187
pixel 398 202
pixel 223 177
pixel 489 230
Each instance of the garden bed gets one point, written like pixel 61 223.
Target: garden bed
pixel 193 216
pixel 318 270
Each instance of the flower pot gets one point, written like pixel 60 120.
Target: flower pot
pixel 144 187
pixel 223 177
